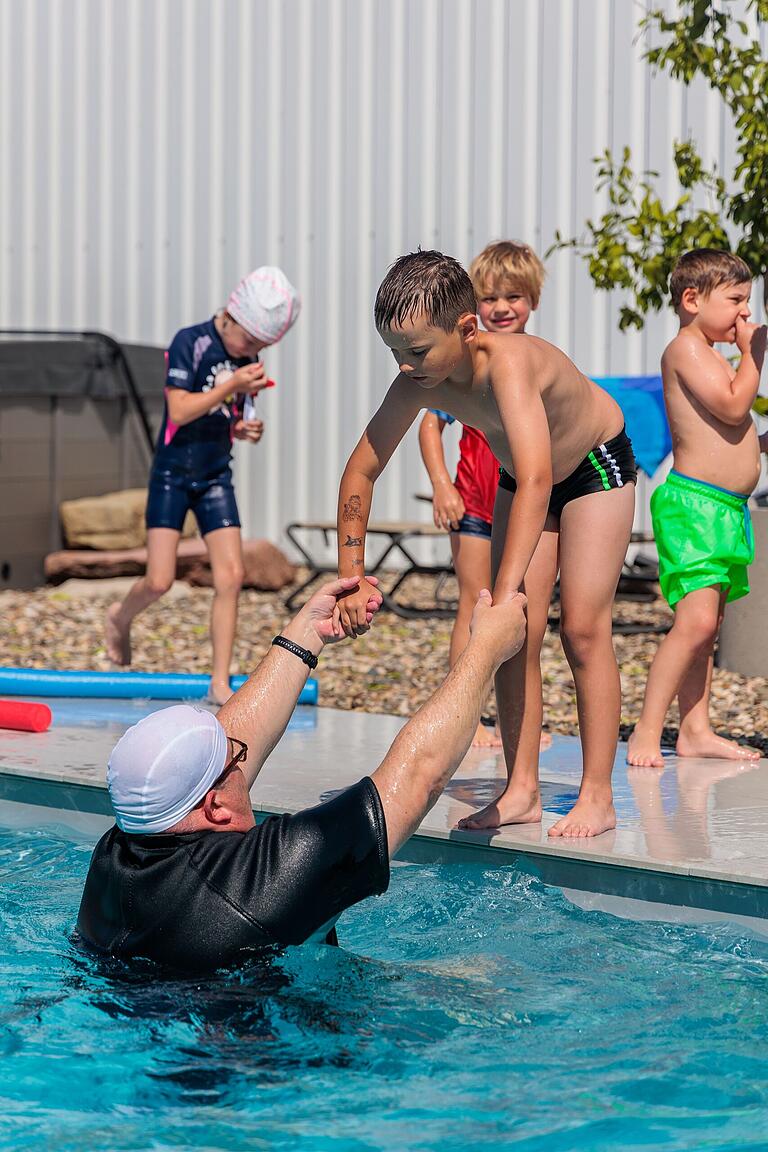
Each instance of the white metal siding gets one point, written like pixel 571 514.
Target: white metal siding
pixel 153 151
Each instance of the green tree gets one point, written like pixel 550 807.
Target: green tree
pixel 636 242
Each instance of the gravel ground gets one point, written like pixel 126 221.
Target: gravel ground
pixel 392 669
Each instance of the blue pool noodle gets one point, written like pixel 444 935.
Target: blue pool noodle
pixel 88 713
pixel 120 685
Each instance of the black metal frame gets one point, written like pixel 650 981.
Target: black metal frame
pixel 118 357
pixel 396 542
pixel 644 572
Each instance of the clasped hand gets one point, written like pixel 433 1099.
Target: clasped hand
pixel 357 606
pixel 321 611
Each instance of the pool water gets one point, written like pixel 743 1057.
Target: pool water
pixel 469 1008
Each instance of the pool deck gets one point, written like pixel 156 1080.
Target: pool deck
pixel 691 836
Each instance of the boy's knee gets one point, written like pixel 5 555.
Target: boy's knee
pixel 157 584
pixel 700 628
pixel 229 580
pixel 580 636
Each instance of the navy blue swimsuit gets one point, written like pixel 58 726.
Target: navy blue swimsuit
pixel 191 467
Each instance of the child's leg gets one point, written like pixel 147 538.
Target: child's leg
pixel 161 571
pixel 594 535
pixel 226 552
pixel 696 737
pixel 688 644
pixel 472 564
pixel 518 685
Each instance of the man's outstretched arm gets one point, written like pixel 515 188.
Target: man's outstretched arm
pixel 258 713
pixel 429 749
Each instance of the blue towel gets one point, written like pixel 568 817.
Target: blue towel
pixel 641 399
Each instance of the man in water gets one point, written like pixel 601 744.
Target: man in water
pixel 188 879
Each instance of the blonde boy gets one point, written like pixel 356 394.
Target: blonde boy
pixel 507 278
pixel 700 515
pixel 566 497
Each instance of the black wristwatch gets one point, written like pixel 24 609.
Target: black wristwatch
pixel 302 653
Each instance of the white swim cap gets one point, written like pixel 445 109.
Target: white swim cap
pixel 163 766
pixel 266 304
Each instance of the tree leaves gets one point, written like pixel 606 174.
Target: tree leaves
pixel 637 241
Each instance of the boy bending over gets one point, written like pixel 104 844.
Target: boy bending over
pixel 507 279
pixel 700 515
pixel 566 498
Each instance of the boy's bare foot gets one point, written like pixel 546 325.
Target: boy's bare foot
pixel 590 816
pixel 219 692
pixel 515 806
pixel 716 747
pixel 486 737
pixel 644 750
pixel 117 638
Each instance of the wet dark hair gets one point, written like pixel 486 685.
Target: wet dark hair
pixel 427 282
pixel 706 269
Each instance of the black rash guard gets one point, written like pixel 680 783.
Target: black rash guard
pixel 198 901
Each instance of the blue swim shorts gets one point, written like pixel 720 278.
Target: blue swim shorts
pixel 212 499
pixel 474 526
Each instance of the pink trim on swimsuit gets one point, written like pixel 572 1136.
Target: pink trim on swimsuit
pixel 170 428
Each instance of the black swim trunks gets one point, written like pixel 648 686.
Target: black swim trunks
pixel 609 465
pixel 198 901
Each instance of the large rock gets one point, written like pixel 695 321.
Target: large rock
pixel 112 522
pixel 266 568
pixel 70 564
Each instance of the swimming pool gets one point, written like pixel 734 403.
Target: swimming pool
pixel 468 1007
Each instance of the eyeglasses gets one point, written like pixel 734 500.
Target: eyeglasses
pixel 239 756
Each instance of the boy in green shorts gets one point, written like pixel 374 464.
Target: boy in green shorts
pixel 700 515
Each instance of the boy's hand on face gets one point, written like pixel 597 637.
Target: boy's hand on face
pixel 357 608
pixel 447 507
pixel 250 379
pixel 750 338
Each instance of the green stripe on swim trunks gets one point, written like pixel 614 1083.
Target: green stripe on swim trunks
pixel 603 474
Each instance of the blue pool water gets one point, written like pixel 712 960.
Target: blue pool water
pixel 470 1008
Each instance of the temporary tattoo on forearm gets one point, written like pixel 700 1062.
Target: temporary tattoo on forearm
pixel 352 542
pixel 352 510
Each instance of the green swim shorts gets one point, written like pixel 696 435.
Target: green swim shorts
pixel 704 537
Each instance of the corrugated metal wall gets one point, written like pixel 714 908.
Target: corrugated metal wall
pixel 153 151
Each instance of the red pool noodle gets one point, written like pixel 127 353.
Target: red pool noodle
pixel 24 717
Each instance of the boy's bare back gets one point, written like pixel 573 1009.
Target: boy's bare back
pixel 713 438
pixel 521 373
